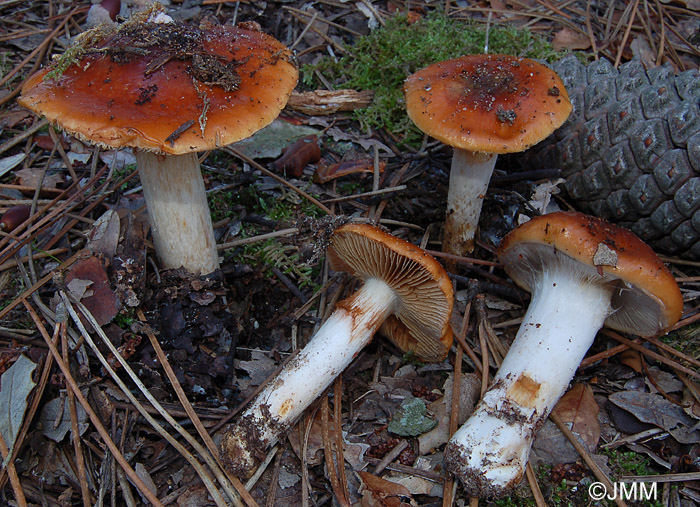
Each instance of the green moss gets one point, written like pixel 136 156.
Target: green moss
pixel 271 253
pixel 382 60
pixel 628 463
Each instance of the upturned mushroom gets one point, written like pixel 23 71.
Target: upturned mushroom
pixel 406 293
pixel 583 273
pixel 169 90
pixel 482 105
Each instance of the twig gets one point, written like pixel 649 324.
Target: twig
pixel 303 32
pixel 461 259
pixel 94 418
pixel 77 447
pixel 41 255
pixel 534 486
pixel 24 135
pixel 626 35
pixel 33 407
pixel 600 475
pixel 38 285
pixel 31 55
pixel 647 352
pixel 161 431
pixel 266 172
pixel 328 455
pixel 188 406
pixel 448 488
pixel 365 194
pixel 681 477
pixel 12 473
pixel 390 456
pixel 258 238
pixel 337 419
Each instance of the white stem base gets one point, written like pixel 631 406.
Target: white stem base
pixel 336 343
pixel 490 451
pixel 469 178
pixel 178 211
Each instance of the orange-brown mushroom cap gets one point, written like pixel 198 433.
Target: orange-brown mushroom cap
pixel 646 299
pixel 421 323
pixel 167 87
pixel 487 103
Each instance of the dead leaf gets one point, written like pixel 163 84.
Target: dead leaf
pixel 30 177
pixel 632 359
pixel 691 405
pixel 657 410
pixel 641 49
pixel 145 476
pixel 353 453
pixel 666 382
pixel 297 156
pixel 103 237
pixel 258 368
pixel 693 5
pixel 566 38
pixel 11 119
pixel 468 395
pixel 378 492
pixel 579 409
pixel 367 144
pixel 17 384
pixel 101 302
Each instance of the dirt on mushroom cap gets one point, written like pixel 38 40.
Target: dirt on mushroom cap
pixel 487 103
pixel 167 87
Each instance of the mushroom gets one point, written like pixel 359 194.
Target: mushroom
pixel 482 105
pixel 169 90
pixel 583 273
pixel 406 293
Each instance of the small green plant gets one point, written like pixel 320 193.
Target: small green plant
pixel 125 318
pixel 283 205
pixel 382 60
pixel 286 258
pixel 628 462
pixel 121 173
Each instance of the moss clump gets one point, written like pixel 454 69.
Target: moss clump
pixel 382 60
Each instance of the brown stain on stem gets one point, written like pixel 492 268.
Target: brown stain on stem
pixel 524 391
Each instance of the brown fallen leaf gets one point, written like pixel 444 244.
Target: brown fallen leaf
pixel 297 156
pixel 566 38
pixel 579 408
pixel 631 358
pixel 99 298
pixel 326 102
pixel 378 492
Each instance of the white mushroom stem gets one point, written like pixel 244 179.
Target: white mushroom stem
pixel 490 451
pixel 469 178
pixel 178 211
pixel 348 330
